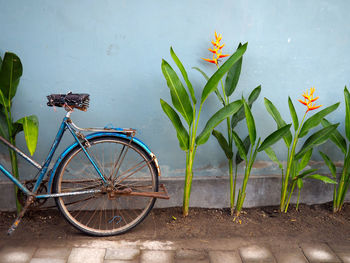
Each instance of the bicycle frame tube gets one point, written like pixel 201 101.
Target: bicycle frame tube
pixel 43 169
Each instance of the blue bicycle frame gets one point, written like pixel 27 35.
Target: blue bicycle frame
pixel 68 125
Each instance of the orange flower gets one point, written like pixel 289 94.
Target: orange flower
pixel 309 99
pixel 216 50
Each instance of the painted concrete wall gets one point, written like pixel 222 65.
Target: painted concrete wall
pixel 113 50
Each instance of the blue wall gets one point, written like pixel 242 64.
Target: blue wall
pixel 113 50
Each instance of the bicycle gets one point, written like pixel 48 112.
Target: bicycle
pixel 105 183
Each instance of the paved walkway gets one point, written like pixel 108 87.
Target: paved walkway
pixel 185 251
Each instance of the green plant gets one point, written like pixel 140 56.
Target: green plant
pixel 255 146
pixel 341 189
pixel 10 74
pixel 188 139
pixel 297 161
pixel 228 89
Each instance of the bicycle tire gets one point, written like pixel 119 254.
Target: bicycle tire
pixel 104 214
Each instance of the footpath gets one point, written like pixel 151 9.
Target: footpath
pixel 231 250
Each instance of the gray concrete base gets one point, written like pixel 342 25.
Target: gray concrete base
pixel 213 192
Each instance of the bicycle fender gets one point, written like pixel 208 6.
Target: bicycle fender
pixel 98 134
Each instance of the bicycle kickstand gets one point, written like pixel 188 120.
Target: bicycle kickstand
pixel 15 224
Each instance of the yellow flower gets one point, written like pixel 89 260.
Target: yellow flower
pixel 309 99
pixel 216 50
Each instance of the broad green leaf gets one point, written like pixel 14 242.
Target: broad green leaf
pixel 305 160
pixel 347 112
pixel 233 76
pixel 272 155
pixel 274 137
pixel 307 172
pixel 317 138
pixel 217 76
pixel 181 132
pixel 240 145
pixel 316 119
pixel 293 114
pixel 216 90
pixel 250 122
pixel 184 74
pixel 10 74
pixel 239 116
pixel 223 143
pixel 336 137
pixel 31 131
pixel 278 119
pixel 329 163
pixel 300 183
pixel 3 124
pixel 322 178
pixel 215 120
pixel 246 144
pixel 179 96
pixel 254 95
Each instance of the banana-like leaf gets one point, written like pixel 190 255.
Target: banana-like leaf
pixel 272 155
pixel 307 172
pixel 10 74
pixel 216 90
pixel 223 143
pixel 3 123
pixel 179 96
pixel 246 144
pixel 293 114
pixel 322 178
pixel 181 132
pixel 317 138
pixel 278 119
pixel 217 76
pixel 239 116
pixel 240 145
pixel 305 159
pixel 336 137
pixel 184 75
pixel 31 131
pixel 329 163
pixel 233 76
pixel 215 120
pixel 316 119
pixel 250 122
pixel 274 137
pixel 347 112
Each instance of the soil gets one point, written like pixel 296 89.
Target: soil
pixel 310 223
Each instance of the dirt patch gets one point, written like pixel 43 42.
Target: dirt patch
pixel 315 222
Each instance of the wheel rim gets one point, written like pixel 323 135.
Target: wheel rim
pixel 112 210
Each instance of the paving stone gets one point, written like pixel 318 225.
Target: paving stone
pixel 319 252
pixel 256 253
pixel 288 252
pixel 342 251
pixel 190 254
pixel 120 261
pixel 52 252
pixel 47 260
pixel 157 256
pixel 192 260
pixel 122 254
pixel 86 255
pixel 224 257
pixel 16 254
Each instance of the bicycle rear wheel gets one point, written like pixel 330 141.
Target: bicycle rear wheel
pixel 102 209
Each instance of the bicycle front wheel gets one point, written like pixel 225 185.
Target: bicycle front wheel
pixel 113 206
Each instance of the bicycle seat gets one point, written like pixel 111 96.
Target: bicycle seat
pixel 70 100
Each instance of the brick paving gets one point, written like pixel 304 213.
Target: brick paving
pixel 188 251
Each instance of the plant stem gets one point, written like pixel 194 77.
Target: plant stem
pixel 232 188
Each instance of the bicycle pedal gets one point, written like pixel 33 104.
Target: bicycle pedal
pixel 14 226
